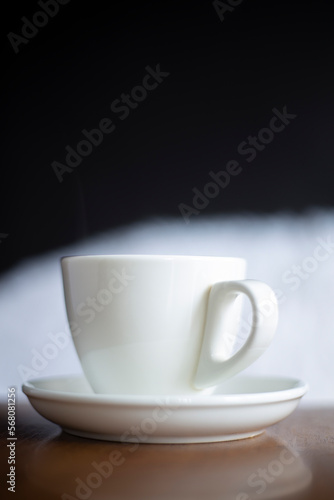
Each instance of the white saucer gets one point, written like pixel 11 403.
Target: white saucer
pixel 240 408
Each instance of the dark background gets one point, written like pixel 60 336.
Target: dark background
pixel 225 79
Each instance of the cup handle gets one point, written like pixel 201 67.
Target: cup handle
pixel 214 365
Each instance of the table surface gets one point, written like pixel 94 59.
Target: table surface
pixel 292 459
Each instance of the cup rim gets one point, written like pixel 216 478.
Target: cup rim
pixel 144 257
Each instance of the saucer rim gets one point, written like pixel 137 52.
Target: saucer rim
pixel 297 389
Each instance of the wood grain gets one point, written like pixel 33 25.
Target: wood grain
pixel 293 459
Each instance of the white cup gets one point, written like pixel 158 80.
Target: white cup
pixel 162 324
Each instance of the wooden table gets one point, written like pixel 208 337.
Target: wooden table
pixel 293 459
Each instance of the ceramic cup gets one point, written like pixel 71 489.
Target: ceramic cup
pixel 162 324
